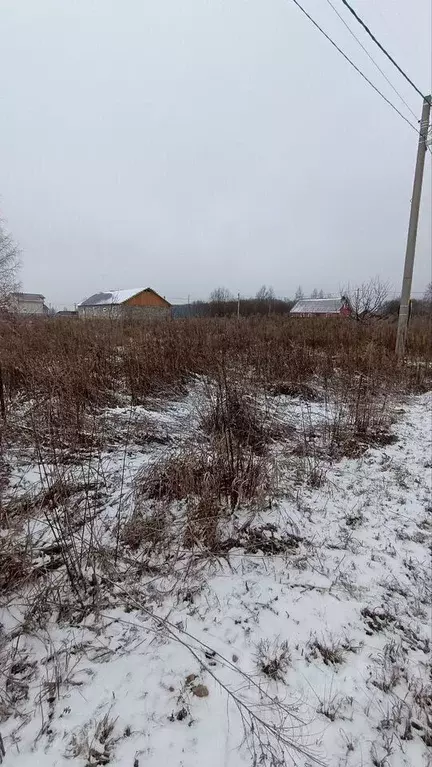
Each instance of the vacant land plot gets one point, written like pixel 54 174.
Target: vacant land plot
pixel 215 544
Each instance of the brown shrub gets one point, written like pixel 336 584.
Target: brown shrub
pixel 234 414
pixel 203 524
pixel 229 477
pixel 15 564
pixel 141 529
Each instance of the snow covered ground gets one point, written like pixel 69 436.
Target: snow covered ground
pixel 309 645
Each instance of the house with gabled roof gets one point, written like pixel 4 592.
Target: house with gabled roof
pixel 127 303
pixel 322 307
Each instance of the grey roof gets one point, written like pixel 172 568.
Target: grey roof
pixel 112 297
pixel 318 306
pixel 66 313
pixel 98 299
pixel 29 296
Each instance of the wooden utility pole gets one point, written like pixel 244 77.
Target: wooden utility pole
pixel 412 231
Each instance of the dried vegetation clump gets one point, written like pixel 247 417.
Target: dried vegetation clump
pixel 273 658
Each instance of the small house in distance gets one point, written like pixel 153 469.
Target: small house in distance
pixel 66 313
pixel 28 303
pixel 134 303
pixel 323 307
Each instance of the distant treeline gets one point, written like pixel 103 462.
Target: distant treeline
pixel 419 307
pixel 248 307
pixel 253 306
pixel 368 300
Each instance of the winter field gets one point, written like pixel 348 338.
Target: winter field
pixel 215 544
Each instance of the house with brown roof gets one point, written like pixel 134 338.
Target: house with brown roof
pixel 137 303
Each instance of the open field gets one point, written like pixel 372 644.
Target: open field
pixel 215 544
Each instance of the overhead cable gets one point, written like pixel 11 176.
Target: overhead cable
pixel 381 47
pixel 354 65
pixel 371 58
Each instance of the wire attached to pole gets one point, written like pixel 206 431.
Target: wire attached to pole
pixel 369 55
pixel 354 65
pixel 381 47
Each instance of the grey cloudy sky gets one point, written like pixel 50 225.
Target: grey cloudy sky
pixel 186 144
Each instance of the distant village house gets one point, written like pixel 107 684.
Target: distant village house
pixel 322 307
pixel 28 303
pixel 133 303
pixel 66 313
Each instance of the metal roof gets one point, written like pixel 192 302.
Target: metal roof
pixel 29 296
pixel 118 297
pixel 318 306
pixel 66 313
pixel 112 297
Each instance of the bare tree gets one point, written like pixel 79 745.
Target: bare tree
pixel 221 302
pixel 9 266
pixel 265 293
pixel 218 295
pixel 299 293
pixel 427 297
pixel 368 298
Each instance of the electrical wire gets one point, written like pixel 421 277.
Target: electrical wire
pixel 381 47
pixel 371 58
pixel 353 65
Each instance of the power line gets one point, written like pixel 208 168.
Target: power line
pixel 371 58
pixel 353 65
pixel 381 47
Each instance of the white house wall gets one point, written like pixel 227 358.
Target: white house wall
pixel 117 312
pixel 29 307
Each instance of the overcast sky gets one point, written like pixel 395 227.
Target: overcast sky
pixel 186 144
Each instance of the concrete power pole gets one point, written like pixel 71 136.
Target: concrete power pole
pixel 412 231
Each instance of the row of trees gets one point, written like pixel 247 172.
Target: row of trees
pixel 222 303
pixel 369 299
pixel 265 293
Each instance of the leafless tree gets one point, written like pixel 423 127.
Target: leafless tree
pixel 9 266
pixel 368 298
pixel 265 293
pixel 299 293
pixel 221 302
pixel 427 297
pixel 218 295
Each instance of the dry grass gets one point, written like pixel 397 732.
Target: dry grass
pixel 58 377
pixel 208 484
pixel 15 564
pixel 273 658
pixel 234 414
pixel 67 370
pixel 330 651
